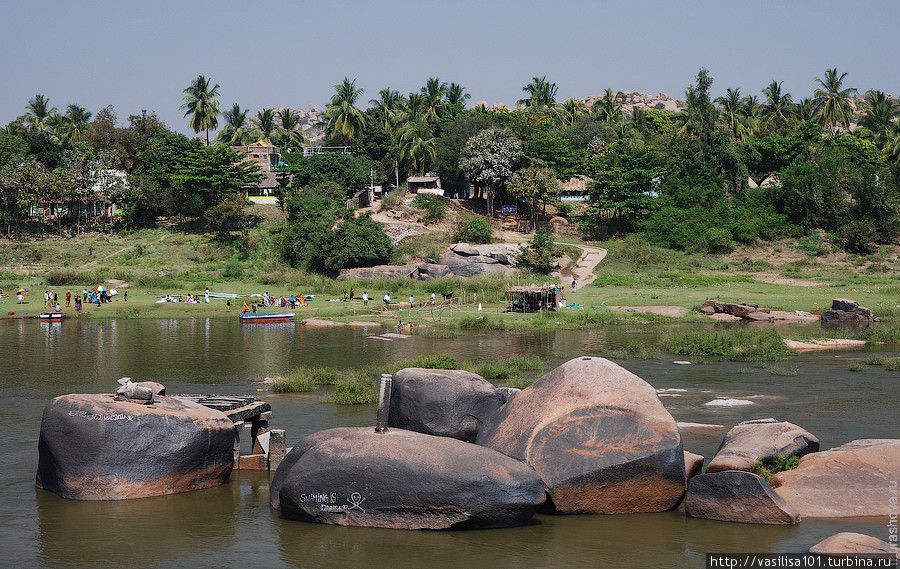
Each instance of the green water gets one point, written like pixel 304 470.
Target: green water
pixel 233 526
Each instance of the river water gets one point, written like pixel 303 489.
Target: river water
pixel 233 526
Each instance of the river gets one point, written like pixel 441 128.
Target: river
pixel 233 526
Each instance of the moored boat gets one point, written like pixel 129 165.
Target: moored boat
pixel 52 316
pixel 265 318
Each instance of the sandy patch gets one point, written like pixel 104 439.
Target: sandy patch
pixel 722 317
pixel 672 311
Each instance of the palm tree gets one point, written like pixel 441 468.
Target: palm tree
pixel 344 119
pixel 778 106
pixel 76 121
pixel 880 121
pixel 289 134
pixel 752 113
pixel 541 94
pixel 805 110
pixel 38 111
pixel 433 94
pixel 832 100
pixel 456 95
pixel 388 107
pixel 607 108
pixel 418 145
pixel 235 129
pixel 265 122
pixel 573 109
pixel 733 109
pixel 201 103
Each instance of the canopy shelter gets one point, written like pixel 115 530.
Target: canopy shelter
pixel 531 298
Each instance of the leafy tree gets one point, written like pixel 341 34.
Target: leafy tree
pixel 350 172
pixel 387 108
pixel 23 182
pixel 201 103
pixel 456 97
pixel 832 100
pixel 418 145
pixel 700 115
pixel 209 174
pixel 359 242
pixel 345 121
pixel 607 109
pixel 434 207
pixel 535 184
pixel 733 111
pixel 472 229
pixel 235 130
pixel 489 159
pixel 541 254
pixel 229 215
pixel 450 146
pixel 265 122
pixel 75 123
pixel 317 203
pixel 879 122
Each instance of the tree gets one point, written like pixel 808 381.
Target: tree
pixel 359 242
pixel 541 94
pixel 879 121
pixel 201 103
pixel 433 98
pixel 472 229
pixel 778 107
pixel 229 215
pixel 535 184
pixel 607 108
pixel 541 254
pixel 832 100
pixel 700 114
pixel 235 130
pixel 733 110
pixel 76 122
pixel 573 110
pixel 387 108
pixel 345 121
pixel 23 182
pixel 38 112
pixel 457 96
pixel 209 174
pixel 489 159
pixel 265 122
pixel 450 144
pixel 418 145
pixel 350 172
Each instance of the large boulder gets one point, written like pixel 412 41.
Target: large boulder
pixel 445 403
pixel 597 435
pixel 761 439
pixel 736 496
pixel 852 544
pixel 104 447
pixel 846 481
pixel 846 310
pixel 404 480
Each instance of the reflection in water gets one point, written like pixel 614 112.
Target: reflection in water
pixel 233 525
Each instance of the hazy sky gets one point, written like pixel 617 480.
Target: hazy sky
pixel 140 55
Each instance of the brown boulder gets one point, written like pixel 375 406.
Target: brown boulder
pixel 852 544
pixel 597 435
pixel 736 496
pixel 847 481
pixel 761 439
pixel 104 447
pixel 693 465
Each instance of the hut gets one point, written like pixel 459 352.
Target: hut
pixel 531 298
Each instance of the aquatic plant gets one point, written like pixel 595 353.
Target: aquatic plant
pixel 892 365
pixel 856 367
pixel 882 334
pixel 745 344
pixel 767 469
pixel 353 392
pixel 434 361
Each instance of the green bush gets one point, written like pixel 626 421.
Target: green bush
pixel 859 236
pixel 393 198
pixel 472 229
pixel 234 269
pixel 747 345
pixel 768 469
pixel 67 277
pixel 540 255
pixel 435 361
pixel 435 208
pixel 353 392
pixel 892 365
pixel 307 379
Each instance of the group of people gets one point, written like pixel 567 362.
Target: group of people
pixel 291 301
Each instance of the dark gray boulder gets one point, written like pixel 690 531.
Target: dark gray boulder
pixel 597 435
pixel 846 310
pixel 761 439
pixel 736 496
pixel 442 402
pixel 403 480
pixel 105 447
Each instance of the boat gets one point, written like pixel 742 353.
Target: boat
pixel 266 318
pixel 52 316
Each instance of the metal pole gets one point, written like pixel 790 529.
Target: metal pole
pixel 384 404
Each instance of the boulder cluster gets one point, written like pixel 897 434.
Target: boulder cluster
pixel 849 311
pixel 459 260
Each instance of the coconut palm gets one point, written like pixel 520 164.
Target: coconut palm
pixel 751 111
pixel 573 109
pixel 388 107
pixel 832 100
pixel 805 110
pixel 344 119
pixel 732 109
pixel 778 107
pixel 433 94
pixel 75 122
pixel 456 95
pixel 289 135
pixel 265 122
pixel 38 111
pixel 202 104
pixel 541 93
pixel 235 130
pixel 880 119
pixel 418 145
pixel 607 108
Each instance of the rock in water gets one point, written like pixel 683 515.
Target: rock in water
pixel 761 439
pixel 95 447
pixel 446 403
pixel 403 480
pixel 852 544
pixel 597 435
pixel 693 464
pixel 736 496
pixel 846 481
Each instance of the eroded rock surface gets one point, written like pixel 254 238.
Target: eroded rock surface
pixel 761 439
pixel 736 496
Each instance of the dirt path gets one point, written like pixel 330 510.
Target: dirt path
pixel 583 270
pixel 120 251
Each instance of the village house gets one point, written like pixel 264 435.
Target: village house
pixel 99 206
pixel 427 184
pixel 268 157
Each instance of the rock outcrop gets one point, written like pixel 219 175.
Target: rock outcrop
pixel 597 435
pixel 403 480
pixel 445 403
pixel 743 310
pixel 852 544
pixel 736 496
pixel 459 260
pixel 846 481
pixel 845 310
pixel 693 465
pixel 761 439
pixel 105 447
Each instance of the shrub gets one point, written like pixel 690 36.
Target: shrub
pixel 66 277
pixel 436 361
pixel 353 392
pixel 483 322
pixel 393 198
pixel 540 255
pixel 158 282
pixel 892 365
pixel 306 379
pixel 234 269
pixel 359 242
pixel 767 469
pixel 434 207
pixel 472 229
pixel 856 367
pixel 859 236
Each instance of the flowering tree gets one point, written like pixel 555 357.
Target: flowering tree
pixel 489 159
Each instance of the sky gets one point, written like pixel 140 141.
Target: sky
pixel 140 55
